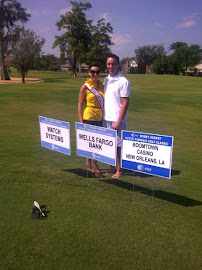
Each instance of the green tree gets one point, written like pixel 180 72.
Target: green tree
pixel 11 12
pixel 185 56
pixel 99 42
pixel 24 50
pixel 194 55
pixel 148 54
pixel 161 65
pixel 46 62
pixel 83 41
pixel 172 64
pixel 74 43
pixel 176 45
pixel 133 70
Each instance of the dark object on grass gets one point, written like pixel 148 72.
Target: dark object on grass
pixel 38 212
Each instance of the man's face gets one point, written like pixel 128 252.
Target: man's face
pixel 112 66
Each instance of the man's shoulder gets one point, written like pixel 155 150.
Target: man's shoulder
pixel 119 78
pixel 124 80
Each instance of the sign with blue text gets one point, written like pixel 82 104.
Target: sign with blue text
pixel 147 153
pixel 55 135
pixel 96 143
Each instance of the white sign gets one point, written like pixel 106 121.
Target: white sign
pixel 96 143
pixel 147 153
pixel 55 135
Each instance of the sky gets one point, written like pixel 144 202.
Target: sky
pixel 135 22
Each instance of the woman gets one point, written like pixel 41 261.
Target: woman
pixel 91 93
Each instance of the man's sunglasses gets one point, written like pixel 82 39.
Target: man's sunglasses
pixel 95 72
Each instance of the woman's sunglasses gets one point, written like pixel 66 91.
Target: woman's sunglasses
pixel 95 72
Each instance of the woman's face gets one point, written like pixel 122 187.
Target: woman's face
pixel 94 73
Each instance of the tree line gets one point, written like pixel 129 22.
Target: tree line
pixel 181 57
pixel 81 41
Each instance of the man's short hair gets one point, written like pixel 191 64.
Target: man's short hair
pixel 111 55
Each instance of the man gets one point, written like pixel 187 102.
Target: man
pixel 117 91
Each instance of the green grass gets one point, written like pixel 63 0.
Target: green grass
pixel 96 224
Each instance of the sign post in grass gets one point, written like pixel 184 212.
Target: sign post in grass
pixel 147 153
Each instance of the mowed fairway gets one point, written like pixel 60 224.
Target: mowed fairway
pixel 93 223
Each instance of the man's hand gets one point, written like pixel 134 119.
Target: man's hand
pixel 116 126
pixel 124 108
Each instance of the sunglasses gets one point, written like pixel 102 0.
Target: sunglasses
pixel 95 72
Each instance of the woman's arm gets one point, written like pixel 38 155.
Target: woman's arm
pixel 82 99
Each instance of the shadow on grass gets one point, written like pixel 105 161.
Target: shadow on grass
pixel 160 194
pixel 56 80
pixel 80 172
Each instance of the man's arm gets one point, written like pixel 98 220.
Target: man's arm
pixel 124 108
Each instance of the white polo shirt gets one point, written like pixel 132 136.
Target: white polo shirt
pixel 114 89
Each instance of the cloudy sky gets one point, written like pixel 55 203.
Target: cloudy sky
pixel 135 22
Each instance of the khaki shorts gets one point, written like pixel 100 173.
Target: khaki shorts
pixel 108 124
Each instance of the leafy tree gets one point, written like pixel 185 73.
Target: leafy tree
pixel 11 12
pixel 167 65
pixel 24 50
pixel 173 67
pixel 46 62
pixel 148 54
pixel 181 55
pixel 185 56
pixel 161 66
pixel 194 55
pixel 99 42
pixel 75 41
pixel 133 70
pixel 82 41
pixel 180 60
pixel 176 45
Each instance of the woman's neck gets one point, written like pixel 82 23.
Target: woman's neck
pixel 96 83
